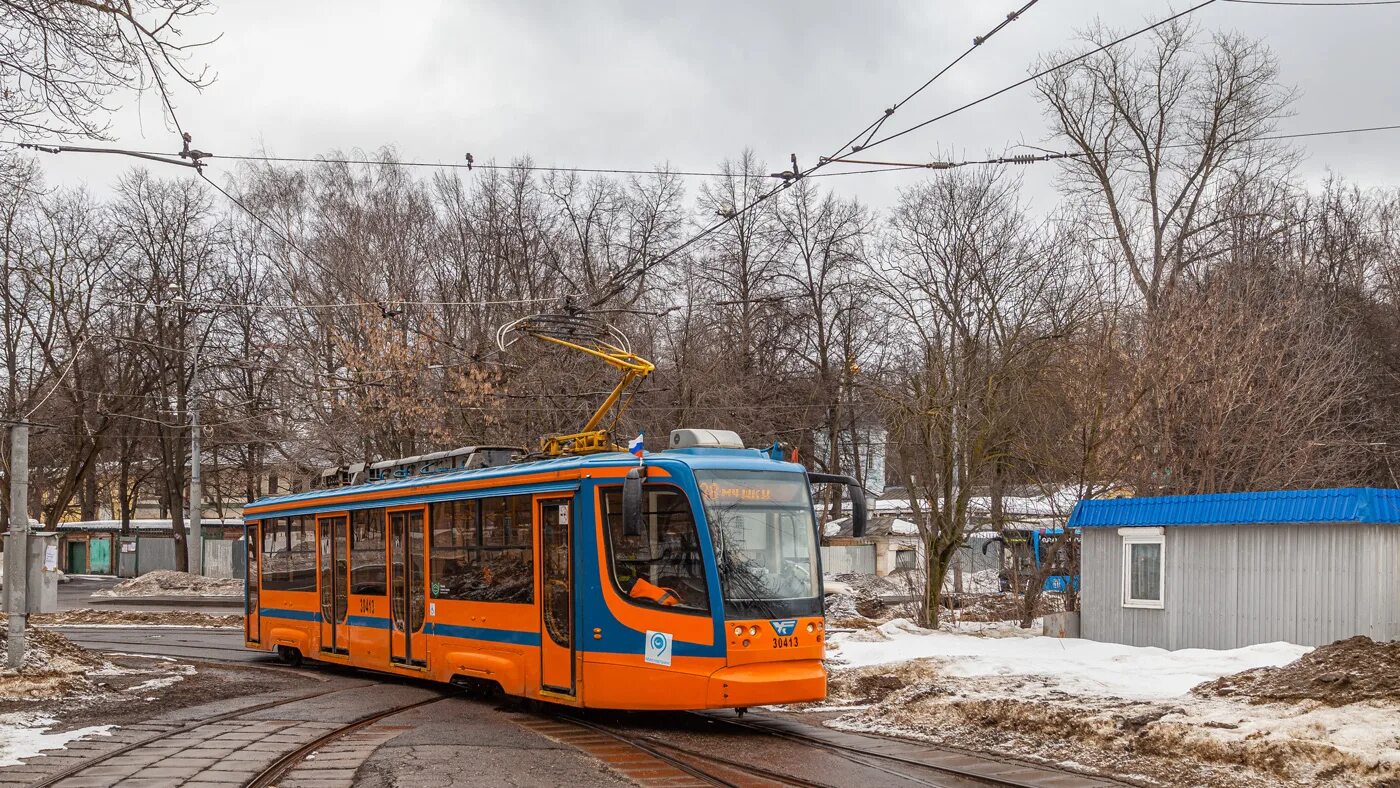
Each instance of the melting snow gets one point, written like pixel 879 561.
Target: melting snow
pixel 1071 665
pixel 25 735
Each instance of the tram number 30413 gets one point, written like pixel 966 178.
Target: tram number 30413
pixel 367 606
pixel 787 642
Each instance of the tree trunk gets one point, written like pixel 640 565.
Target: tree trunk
pixel 935 569
pixel 174 497
pixel 88 502
pixel 124 496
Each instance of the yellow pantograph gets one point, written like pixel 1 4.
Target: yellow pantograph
pixel 603 342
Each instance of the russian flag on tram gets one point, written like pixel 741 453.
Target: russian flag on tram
pixel 634 446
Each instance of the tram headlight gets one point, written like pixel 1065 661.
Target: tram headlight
pixel 811 627
pixel 753 631
pixel 738 630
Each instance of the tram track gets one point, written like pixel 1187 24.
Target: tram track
pixel 707 767
pixel 104 757
pixel 288 762
pixel 1032 776
pixel 720 771
pixel 283 763
pixel 712 768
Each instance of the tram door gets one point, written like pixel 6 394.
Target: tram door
pixel 407 592
pixel 556 602
pixel 252 542
pixel 333 571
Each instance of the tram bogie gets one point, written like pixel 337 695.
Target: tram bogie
pixel 690 579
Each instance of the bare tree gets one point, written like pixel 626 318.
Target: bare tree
pixel 64 60
pixel 978 295
pixel 1157 134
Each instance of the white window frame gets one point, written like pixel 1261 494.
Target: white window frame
pixel 1135 536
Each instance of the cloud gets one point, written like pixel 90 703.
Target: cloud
pixel 636 83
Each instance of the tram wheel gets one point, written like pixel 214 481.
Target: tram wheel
pixel 289 656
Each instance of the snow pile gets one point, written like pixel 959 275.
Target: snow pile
pixel 853 601
pixel 25 735
pixel 1189 717
pixel 167 582
pixel 53 667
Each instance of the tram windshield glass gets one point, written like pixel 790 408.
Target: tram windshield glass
pixel 765 540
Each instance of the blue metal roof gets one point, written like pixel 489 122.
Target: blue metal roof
pixel 1346 505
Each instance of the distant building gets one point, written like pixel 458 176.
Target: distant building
pixel 98 547
pixel 892 543
pixel 1230 570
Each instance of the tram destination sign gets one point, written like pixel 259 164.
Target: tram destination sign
pixel 762 489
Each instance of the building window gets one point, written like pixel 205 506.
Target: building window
pixel 1144 576
pixel 905 559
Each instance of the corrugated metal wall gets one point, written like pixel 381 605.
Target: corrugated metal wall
pixel 844 559
pixel 1231 586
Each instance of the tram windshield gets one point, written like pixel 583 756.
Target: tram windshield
pixel 765 542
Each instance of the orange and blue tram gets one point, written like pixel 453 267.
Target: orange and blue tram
pixel 688 579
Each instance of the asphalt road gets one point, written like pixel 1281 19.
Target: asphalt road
pixel 186 642
pixel 77 593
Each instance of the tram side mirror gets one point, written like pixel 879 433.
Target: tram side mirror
pixel 857 493
pixel 632 502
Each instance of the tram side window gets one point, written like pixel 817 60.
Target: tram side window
pixel 301 537
pixel 276 554
pixel 662 566
pixel 482 550
pixel 289 554
pixel 367 552
pixel 452 564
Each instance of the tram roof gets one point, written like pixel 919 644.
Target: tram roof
pixel 413 487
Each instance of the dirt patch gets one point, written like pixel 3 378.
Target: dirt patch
pixel 167 582
pixel 1348 671
pixel 184 618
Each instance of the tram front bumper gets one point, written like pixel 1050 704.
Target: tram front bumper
pixel 767 683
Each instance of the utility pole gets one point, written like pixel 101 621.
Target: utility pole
pixel 194 544
pixel 17 545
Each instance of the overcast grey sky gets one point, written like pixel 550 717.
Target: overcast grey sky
pixel 634 83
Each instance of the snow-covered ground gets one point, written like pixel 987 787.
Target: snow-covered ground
pixel 1123 710
pixel 25 735
pixel 1070 665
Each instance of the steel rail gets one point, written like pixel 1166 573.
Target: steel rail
pixel 851 753
pixel 767 774
pixel 655 752
pixel 280 767
pixel 136 745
